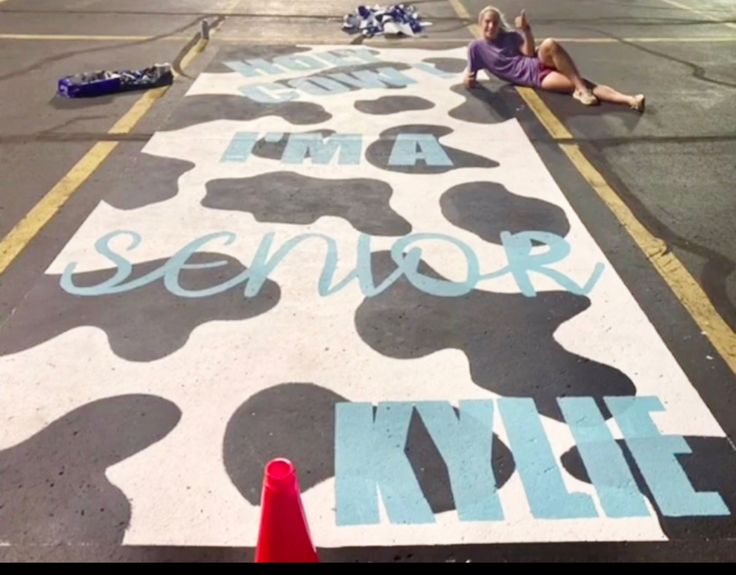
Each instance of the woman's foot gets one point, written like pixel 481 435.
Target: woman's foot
pixel 470 81
pixel 638 102
pixel 586 97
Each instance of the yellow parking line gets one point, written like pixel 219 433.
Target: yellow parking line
pixel 43 212
pixel 232 5
pixel 295 40
pixel 460 9
pixel 686 288
pixel 544 114
pixel 25 230
pixel 650 40
pixel 682 283
pixel 341 39
pixel 86 37
pixel 192 53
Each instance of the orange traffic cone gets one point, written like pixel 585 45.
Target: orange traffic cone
pixel 283 536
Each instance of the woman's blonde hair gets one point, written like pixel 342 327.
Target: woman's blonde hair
pixel 501 18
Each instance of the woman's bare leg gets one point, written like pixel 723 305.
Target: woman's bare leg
pixel 557 82
pixel 608 94
pixel 552 55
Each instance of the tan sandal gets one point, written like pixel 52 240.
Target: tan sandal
pixel 587 98
pixel 639 103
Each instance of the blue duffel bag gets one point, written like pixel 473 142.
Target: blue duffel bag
pixel 103 82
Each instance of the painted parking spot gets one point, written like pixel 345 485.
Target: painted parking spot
pixel 369 270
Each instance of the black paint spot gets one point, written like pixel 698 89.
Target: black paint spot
pixel 487 209
pixel 53 488
pixel 449 65
pixel 142 180
pixel 285 197
pixel 393 105
pixel 204 108
pixel 483 106
pixel 379 152
pixel 297 421
pixel 145 324
pixel 710 467
pixel 291 420
pixel 431 470
pixel 195 110
pixel 508 338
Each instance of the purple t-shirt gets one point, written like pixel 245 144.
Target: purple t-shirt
pixel 503 58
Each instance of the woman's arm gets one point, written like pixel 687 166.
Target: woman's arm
pixel 522 24
pixel 469 77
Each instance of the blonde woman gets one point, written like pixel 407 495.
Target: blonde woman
pixel 511 56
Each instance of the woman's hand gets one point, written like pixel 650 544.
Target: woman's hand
pixel 521 21
pixel 525 29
